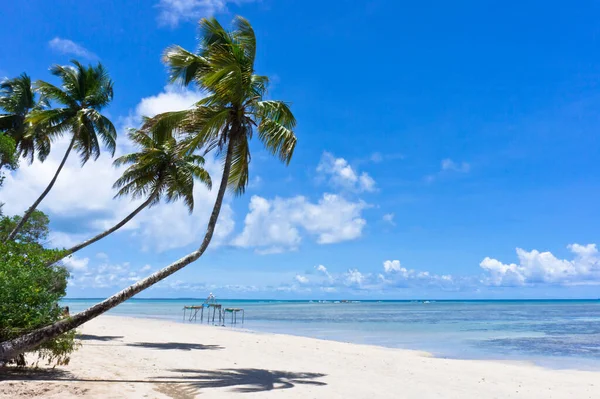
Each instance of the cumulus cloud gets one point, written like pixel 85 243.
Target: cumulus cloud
pixel 392 266
pixel 301 279
pixel 341 175
pixel 66 46
pixel 73 263
pixel 277 225
pixel 543 267
pixel 354 277
pixel 101 273
pixel 83 196
pixel 174 11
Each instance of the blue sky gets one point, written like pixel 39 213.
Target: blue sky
pixel 446 150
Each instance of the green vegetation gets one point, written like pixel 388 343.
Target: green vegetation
pixel 232 113
pixel 30 290
pixel 8 155
pixel 34 231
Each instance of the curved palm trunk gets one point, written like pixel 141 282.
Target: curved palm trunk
pixel 33 207
pixel 11 349
pixel 100 236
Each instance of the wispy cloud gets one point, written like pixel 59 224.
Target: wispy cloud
pixel 66 46
pixel 389 218
pixel 449 166
pixel 174 11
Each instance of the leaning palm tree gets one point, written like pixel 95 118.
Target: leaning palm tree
pixel 158 170
pixel 225 120
pixel 83 93
pixel 17 100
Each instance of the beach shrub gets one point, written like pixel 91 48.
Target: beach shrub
pixel 29 298
pixel 8 155
pixel 35 229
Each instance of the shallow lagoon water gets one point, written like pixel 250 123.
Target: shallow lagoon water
pixel 557 334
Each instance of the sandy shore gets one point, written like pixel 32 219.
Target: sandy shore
pixel 137 358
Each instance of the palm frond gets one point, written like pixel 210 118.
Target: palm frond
pixel 163 126
pixel 238 175
pixel 183 65
pixel 277 139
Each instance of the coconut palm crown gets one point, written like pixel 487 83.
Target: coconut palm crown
pixel 17 100
pixel 84 92
pixel 234 108
pixel 160 169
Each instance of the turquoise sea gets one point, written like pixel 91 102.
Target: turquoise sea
pixel 551 333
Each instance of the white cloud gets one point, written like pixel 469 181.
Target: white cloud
pixel 543 267
pixel 301 279
pixel 276 225
pixel 66 46
pixel 354 277
pixel 389 218
pixel 322 269
pixel 378 157
pixel 342 175
pixel 146 268
pixel 171 99
pixel 84 195
pixel 392 266
pixel 73 263
pixel 174 11
pixel 450 165
pixel 100 274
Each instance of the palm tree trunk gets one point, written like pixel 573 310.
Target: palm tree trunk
pixel 100 236
pixel 33 207
pixel 11 349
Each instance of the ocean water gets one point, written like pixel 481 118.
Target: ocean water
pixel 556 334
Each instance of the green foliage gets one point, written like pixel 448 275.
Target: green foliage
pixel 83 93
pixel 35 229
pixel 234 108
pixel 160 169
pixel 29 295
pixel 8 154
pixel 17 100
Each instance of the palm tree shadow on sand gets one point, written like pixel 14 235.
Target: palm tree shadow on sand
pixel 91 337
pixel 186 346
pixel 185 383
pixel 241 380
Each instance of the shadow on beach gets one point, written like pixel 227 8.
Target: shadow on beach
pixel 175 345
pixel 247 380
pixel 90 337
pixel 188 382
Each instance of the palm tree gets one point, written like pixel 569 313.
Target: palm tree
pixel 83 94
pixel 158 170
pixel 225 120
pixel 17 99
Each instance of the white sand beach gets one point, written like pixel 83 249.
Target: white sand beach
pixel 140 358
